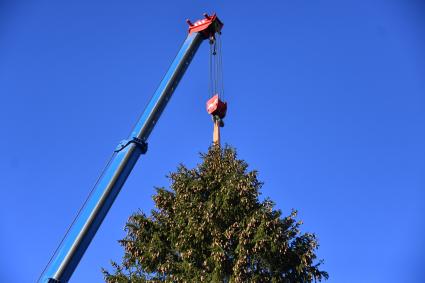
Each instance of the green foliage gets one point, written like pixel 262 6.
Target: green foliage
pixel 211 227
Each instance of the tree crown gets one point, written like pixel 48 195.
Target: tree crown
pixel 210 226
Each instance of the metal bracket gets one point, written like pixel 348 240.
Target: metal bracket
pixel 139 142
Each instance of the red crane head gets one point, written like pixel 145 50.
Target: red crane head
pixel 208 26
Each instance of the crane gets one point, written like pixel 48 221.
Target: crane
pixel 81 232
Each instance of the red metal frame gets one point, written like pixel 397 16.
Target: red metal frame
pixel 216 107
pixel 207 26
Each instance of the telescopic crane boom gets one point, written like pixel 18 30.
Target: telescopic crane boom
pixel 90 217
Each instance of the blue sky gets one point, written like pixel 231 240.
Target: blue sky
pixel 326 100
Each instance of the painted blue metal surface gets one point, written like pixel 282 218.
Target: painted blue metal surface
pixel 90 217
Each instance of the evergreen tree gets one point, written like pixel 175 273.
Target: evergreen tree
pixel 211 227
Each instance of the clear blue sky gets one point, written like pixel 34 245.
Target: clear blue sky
pixel 326 99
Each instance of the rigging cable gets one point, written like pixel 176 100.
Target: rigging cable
pixel 216 85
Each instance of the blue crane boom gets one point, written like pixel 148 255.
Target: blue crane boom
pixel 90 217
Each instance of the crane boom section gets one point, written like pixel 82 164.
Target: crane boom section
pixel 90 217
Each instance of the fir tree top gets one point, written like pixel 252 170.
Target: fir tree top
pixel 211 227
